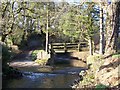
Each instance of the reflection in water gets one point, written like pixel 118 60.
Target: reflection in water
pixel 42 80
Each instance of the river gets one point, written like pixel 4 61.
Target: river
pixel 35 76
pixel 58 78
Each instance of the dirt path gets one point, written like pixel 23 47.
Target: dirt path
pixel 23 59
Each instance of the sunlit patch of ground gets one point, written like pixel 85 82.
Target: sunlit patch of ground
pixel 81 55
pixel 23 63
pixel 30 66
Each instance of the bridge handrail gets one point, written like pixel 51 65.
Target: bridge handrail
pixel 67 46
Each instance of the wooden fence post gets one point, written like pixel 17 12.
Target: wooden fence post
pixel 49 49
pixel 65 47
pixel 78 47
pixel 52 54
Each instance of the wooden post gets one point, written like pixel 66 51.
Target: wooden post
pixel 52 47
pixel 49 50
pixel 52 53
pixel 65 47
pixel 90 46
pixel 78 47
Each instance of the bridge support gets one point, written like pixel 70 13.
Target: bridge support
pixel 52 54
pixel 78 47
pixel 65 47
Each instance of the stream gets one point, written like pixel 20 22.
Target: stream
pixel 62 77
pixel 35 76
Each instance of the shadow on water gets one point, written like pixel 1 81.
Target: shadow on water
pixel 41 80
pixel 62 76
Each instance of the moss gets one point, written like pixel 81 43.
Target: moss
pixel 101 87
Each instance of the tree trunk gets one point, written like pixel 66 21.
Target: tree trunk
pixel 112 27
pixel 90 46
pixel 101 31
pixel 47 33
pixel 117 26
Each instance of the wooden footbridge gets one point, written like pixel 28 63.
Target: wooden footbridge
pixel 66 47
pixel 61 48
pixel 56 48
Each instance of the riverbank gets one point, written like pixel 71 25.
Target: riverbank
pixel 103 73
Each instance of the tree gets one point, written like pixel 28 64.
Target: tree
pixel 90 16
pixel 69 24
pixel 7 19
pixel 50 7
pixel 80 22
pixel 20 19
pixel 47 27
pixel 112 27
pixel 101 30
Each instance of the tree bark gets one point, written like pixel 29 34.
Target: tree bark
pixel 101 31
pixel 4 35
pixel 47 32
pixel 112 27
pixel 90 46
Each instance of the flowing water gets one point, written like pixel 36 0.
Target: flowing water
pixel 35 76
pixel 42 80
pixel 60 78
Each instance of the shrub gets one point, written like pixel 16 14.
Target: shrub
pixel 96 61
pixel 6 55
pixel 93 58
pixel 34 54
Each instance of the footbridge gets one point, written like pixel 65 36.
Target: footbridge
pixel 66 47
pixel 60 52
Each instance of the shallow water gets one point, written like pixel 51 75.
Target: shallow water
pixel 59 76
pixel 42 80
pixel 34 76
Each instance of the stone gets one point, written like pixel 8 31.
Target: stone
pixel 113 81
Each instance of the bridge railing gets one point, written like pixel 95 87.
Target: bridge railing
pixel 67 46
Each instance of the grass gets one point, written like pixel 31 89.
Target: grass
pixel 93 58
pixel 41 62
